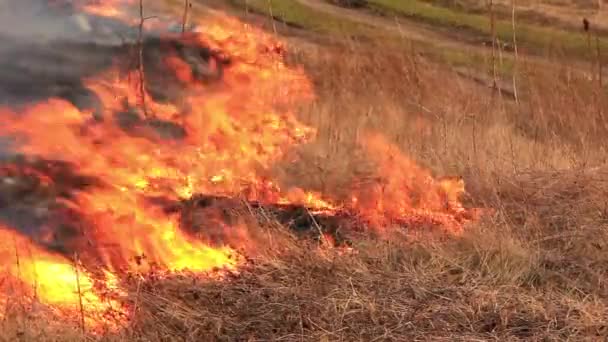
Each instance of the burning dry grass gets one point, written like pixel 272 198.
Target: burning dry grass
pixel 491 283
pixel 536 269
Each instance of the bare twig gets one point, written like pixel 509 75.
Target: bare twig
pixel 587 29
pixel 185 17
pixel 137 301
pixel 17 258
pixel 140 47
pixel 493 30
pixel 18 262
pixel 271 14
pixel 515 61
pixel 81 307
pixel 599 60
pixel 318 227
pixel 599 78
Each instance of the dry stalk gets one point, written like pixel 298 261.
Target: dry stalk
pixel 474 136
pixel 140 48
pixel 318 227
pixel 515 61
pixel 501 63
pixel 7 306
pixel 18 262
pixel 599 60
pixel 271 14
pixel 32 258
pixel 599 79
pixel 17 258
pixel 81 307
pixel 140 59
pixel 587 29
pixel 185 17
pixel 136 303
pixel 493 30
pixel 265 216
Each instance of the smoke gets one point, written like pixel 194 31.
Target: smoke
pixel 47 21
pixel 47 47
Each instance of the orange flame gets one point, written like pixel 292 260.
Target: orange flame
pixel 406 193
pixel 52 279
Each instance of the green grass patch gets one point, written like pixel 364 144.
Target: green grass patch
pixel 532 37
pixel 299 15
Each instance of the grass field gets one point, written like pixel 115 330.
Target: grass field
pixel 562 14
pixel 530 36
pixel 341 30
pixel 536 270
pixel 296 14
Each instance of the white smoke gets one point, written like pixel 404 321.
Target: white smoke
pixel 36 21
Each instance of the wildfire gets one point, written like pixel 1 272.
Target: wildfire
pixel 52 279
pixel 216 138
pixel 406 193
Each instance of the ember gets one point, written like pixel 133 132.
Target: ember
pixel 212 135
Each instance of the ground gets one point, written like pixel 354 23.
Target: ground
pixel 533 150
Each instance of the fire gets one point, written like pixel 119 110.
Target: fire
pixel 216 138
pixel 232 132
pixel 52 279
pixel 404 192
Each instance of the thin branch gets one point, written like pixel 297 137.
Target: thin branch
pixel 81 306
pixel 136 304
pixel 493 30
pixel 185 17
pixel 140 47
pixel 599 60
pixel 271 14
pixel 515 95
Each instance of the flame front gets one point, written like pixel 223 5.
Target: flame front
pixel 405 193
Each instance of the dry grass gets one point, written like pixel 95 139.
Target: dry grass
pixel 536 270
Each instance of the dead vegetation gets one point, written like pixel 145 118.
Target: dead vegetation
pixel 536 270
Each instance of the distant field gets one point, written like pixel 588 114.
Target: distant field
pixel 294 13
pixel 533 37
pixel 566 14
pixel 298 15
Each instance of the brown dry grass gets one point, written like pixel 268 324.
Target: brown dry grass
pixel 537 270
